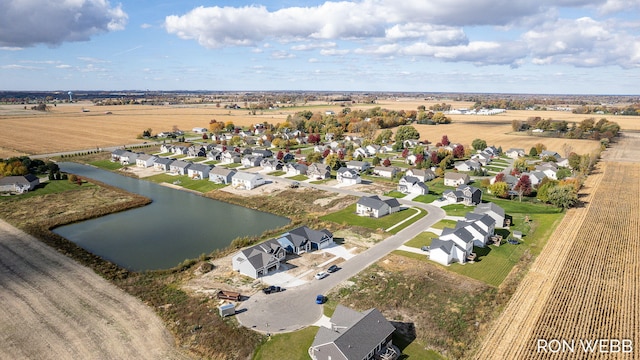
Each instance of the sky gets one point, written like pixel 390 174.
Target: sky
pixel 495 46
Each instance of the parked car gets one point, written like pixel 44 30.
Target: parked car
pixel 294 185
pixel 425 248
pixel 321 275
pixel 272 289
pixel 333 268
pixel 321 299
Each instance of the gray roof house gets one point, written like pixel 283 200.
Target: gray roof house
pixel 19 183
pixel 246 180
pixel 456 179
pixel 293 169
pixel 145 160
pixel 115 154
pixel 260 259
pixel 386 171
pixel 251 161
pixel 374 206
pixel 162 163
pixel 465 194
pixel 493 210
pixel 179 167
pixel 128 157
pixel 355 335
pixel 272 164
pixel 412 185
pixel 348 176
pixel 199 171
pixel 304 239
pixel 318 171
pixel 221 175
pixel 359 166
pixel 422 174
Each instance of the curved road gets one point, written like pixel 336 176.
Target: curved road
pixel 295 308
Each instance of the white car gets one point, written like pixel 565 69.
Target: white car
pixel 321 275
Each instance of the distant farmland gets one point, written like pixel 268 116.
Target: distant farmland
pixel 66 127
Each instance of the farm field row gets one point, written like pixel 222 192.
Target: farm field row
pixel 66 127
pixel 584 284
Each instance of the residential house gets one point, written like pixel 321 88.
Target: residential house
pixel 515 153
pixel 305 239
pixel 162 163
pixel 294 169
pixel 456 179
pixel 359 166
pixel 145 160
pixel 546 153
pixel 115 154
pixel 262 152
pixel 412 185
pixel 230 157
pixel 166 148
pixel 372 149
pixel 197 151
pixel 199 130
pixel 462 241
pixel 128 157
pixel 423 175
pixel 410 143
pixel 374 206
pixel 360 152
pixel 493 210
pixel 288 157
pixel 535 177
pixel 492 151
pixel 251 161
pixel 317 171
pixel 469 165
pixel 352 335
pixel 179 167
pixel 465 194
pixel 348 176
pixel 259 260
pixel 180 150
pixel 272 164
pixel 214 155
pixel 481 158
pixel 19 183
pixel 481 226
pixel 246 180
pixel 388 172
pixel 199 171
pixel 221 175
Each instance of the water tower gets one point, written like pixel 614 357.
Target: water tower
pixel 70 96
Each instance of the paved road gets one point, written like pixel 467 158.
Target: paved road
pixel 295 308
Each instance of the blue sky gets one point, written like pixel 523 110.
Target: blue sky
pixel 510 46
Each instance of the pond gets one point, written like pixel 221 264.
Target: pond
pixel 177 225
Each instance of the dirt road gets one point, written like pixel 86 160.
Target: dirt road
pixel 54 308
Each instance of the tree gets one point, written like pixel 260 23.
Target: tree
pixel 523 186
pixel 406 132
pixel 376 161
pixel 445 140
pixel 458 152
pixel 229 126
pixel 384 137
pixel 520 164
pixel 540 147
pixel 334 161
pixel 326 153
pixel 499 189
pixel 314 157
pixel 386 162
pixel 543 189
pixel 205 137
pixel 279 155
pixel 499 177
pixel 405 153
pixel 533 152
pixel 563 196
pixel 479 144
pixel 216 126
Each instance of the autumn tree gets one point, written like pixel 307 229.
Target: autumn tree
pixel 563 196
pixel 458 152
pixel 386 162
pixel 499 189
pixel 406 132
pixel 445 140
pixel 523 186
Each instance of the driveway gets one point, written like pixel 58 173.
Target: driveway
pixel 295 308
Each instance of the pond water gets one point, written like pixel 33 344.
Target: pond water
pixel 177 225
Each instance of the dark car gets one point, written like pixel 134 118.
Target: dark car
pixel 321 299
pixel 333 268
pixel 272 289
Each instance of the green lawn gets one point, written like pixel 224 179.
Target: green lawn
pixel 48 187
pixel 298 178
pixel 287 346
pixel 457 209
pixel 202 186
pixel 422 213
pixel 277 173
pixel 181 156
pixel 106 164
pixel 198 159
pixel 348 216
pixel 423 239
pixel 232 166
pixel 211 162
pixel 395 193
pixel 444 223
pixel 428 198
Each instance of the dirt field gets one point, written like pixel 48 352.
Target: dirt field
pixel 66 127
pixel 54 308
pixel 585 283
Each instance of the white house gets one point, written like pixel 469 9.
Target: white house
pixel 294 169
pixel 259 260
pixel 319 171
pixel 412 185
pixel 145 160
pixel 515 153
pixel 246 180
pixel 348 176
pixel 199 171
pixel 19 183
pixel 456 179
pixel 422 174
pixel 179 167
pixel 221 175
pixel 374 206
pixel 388 172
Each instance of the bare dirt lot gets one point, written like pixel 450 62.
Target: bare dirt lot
pixel 54 308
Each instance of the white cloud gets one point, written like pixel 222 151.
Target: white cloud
pixel 146 26
pixel 25 23
pixel 63 66
pixel 11 48
pixel 281 55
pixel 507 32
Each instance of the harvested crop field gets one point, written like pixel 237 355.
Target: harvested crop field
pixel 585 284
pixel 54 308
pixel 67 127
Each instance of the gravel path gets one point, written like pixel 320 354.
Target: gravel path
pixel 55 308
